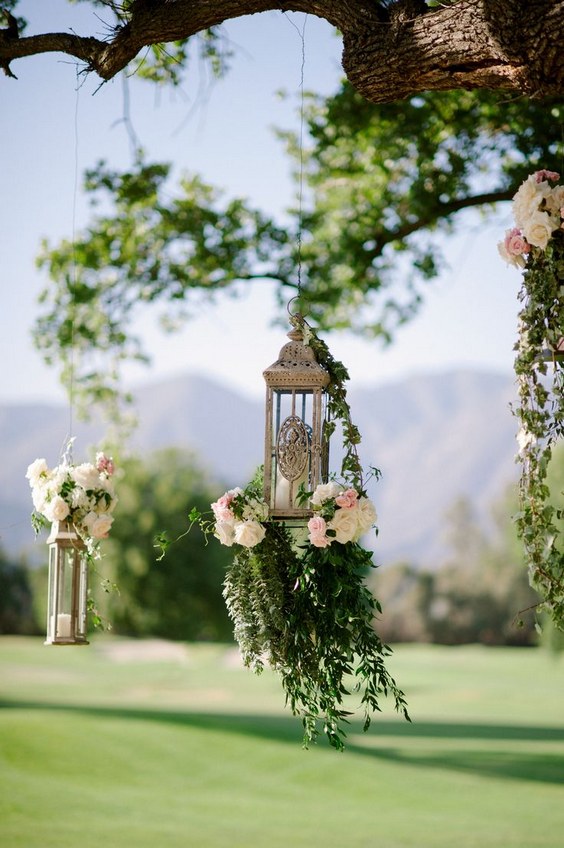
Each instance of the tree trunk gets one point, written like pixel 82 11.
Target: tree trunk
pixel 391 50
pixel 494 44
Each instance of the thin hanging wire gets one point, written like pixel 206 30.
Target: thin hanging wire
pixel 301 33
pixel 66 452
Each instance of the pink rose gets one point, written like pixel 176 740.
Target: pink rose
pixel 515 243
pixel 317 527
pixel 540 176
pixel 105 464
pixel 347 500
pixel 221 508
pixel 319 541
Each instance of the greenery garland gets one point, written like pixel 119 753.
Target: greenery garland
pixel 300 604
pixel 536 245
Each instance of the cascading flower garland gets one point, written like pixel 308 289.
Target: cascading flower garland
pixel 536 245
pixel 297 595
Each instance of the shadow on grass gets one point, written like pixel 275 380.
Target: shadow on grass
pixel 496 759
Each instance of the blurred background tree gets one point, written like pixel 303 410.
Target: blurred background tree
pixel 179 597
pixel 17 615
pixel 480 593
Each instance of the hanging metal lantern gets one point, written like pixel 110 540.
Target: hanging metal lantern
pixel 68 587
pixel 296 450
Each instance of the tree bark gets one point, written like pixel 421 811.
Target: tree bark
pixel 391 50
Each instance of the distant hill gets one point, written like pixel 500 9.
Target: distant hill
pixel 435 438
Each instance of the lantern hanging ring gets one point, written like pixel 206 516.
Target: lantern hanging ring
pixel 289 307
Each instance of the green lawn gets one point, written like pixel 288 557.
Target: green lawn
pixel 108 746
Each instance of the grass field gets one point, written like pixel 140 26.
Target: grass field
pixel 145 745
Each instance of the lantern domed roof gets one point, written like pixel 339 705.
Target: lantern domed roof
pixel 296 366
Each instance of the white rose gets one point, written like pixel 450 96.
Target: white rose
pixel 538 229
pixel 528 198
pixel 249 533
pixel 36 471
pixel 97 526
pixel 326 491
pixel 345 525
pixel 79 498
pixel 555 200
pixel 86 476
pixel 57 509
pixel 39 496
pixel 225 532
pixel 366 514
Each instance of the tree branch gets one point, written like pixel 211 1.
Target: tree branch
pixel 391 50
pixel 438 211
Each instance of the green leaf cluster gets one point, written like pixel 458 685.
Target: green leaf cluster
pixel 149 248
pixel 386 183
pixel 309 615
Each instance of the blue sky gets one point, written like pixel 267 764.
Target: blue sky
pixel 225 132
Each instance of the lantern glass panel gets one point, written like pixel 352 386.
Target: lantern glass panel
pixel 294 449
pixel 67 597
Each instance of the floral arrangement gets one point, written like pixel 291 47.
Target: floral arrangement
pixel 538 210
pixel 536 245
pixel 238 517
pixel 340 515
pixel 84 495
pixel 297 594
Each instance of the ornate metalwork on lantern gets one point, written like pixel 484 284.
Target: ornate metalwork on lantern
pixel 296 449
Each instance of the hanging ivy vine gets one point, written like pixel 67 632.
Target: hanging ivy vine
pixel 536 245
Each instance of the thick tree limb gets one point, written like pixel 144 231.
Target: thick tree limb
pixel 436 213
pixel 391 51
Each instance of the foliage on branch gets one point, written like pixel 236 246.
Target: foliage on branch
pixel 386 182
pixel 149 248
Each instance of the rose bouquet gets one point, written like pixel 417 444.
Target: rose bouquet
pixel 84 495
pixel 238 517
pixel 340 515
pixel 536 245
pixel 538 210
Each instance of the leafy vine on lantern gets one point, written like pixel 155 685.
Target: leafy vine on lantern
pixel 536 245
pixel 297 597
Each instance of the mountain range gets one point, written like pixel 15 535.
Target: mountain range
pixel 435 438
